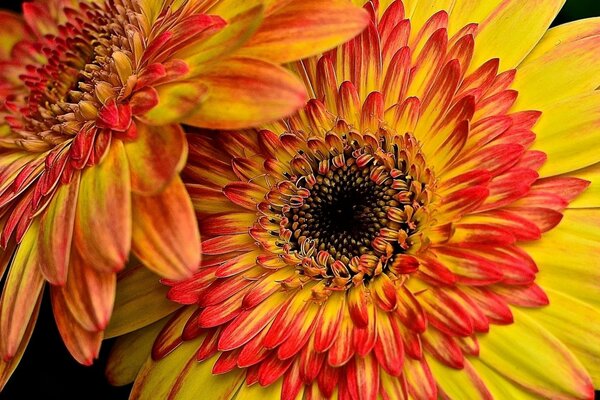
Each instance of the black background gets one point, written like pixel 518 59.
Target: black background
pixel 47 370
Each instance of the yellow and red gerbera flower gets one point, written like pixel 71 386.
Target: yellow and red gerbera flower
pixel 399 237
pixel 90 146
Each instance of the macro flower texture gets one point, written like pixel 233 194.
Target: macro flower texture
pixel 426 227
pixel 92 95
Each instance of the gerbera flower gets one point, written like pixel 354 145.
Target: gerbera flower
pixel 399 237
pixel 90 146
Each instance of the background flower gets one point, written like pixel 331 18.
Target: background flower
pixel 91 147
pixel 386 241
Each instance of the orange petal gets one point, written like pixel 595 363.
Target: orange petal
pixel 8 367
pixel 247 92
pixel 329 324
pixel 250 322
pixel 420 380
pixel 103 219
pixel 89 294
pixel 83 345
pixel 22 289
pixel 305 28
pixel 389 349
pixel 56 232
pixel 155 157
pixel 165 232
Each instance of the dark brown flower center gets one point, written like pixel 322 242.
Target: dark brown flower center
pixel 344 212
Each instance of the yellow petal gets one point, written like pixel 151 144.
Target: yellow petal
pixel 568 256
pixel 565 63
pixel 576 324
pixel 499 386
pixel 578 119
pixel 196 377
pixel 532 357
pixel 22 289
pixel 138 289
pixel 156 378
pixel 566 33
pixel 271 392
pixel 508 29
pixel 459 383
pixel 590 198
pixel 130 352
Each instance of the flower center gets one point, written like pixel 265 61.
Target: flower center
pixel 76 72
pixel 344 212
pixel 351 208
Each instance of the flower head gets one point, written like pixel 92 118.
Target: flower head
pixel 91 148
pixel 397 238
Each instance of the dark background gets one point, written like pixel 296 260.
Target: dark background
pixel 48 371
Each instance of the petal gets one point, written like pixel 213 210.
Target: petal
pixel 239 29
pixel 577 118
pixel 329 325
pixel 12 29
pixel 565 63
pixel 420 380
pixel 499 386
pixel 246 92
pixel 89 294
pixel 176 101
pixel 129 354
pixel 250 322
pixel 165 232
pixel 363 373
pixel 568 256
pixel 20 295
pixel 196 377
pixel 8 367
pixel 507 29
pixel 138 289
pixel 546 366
pixel 103 220
pixel 83 345
pixel 156 378
pixel 245 194
pixel 389 349
pixel 576 324
pixel 271 392
pixel 56 232
pixel 301 29
pixel 155 157
pixel 590 198
pixel 462 383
